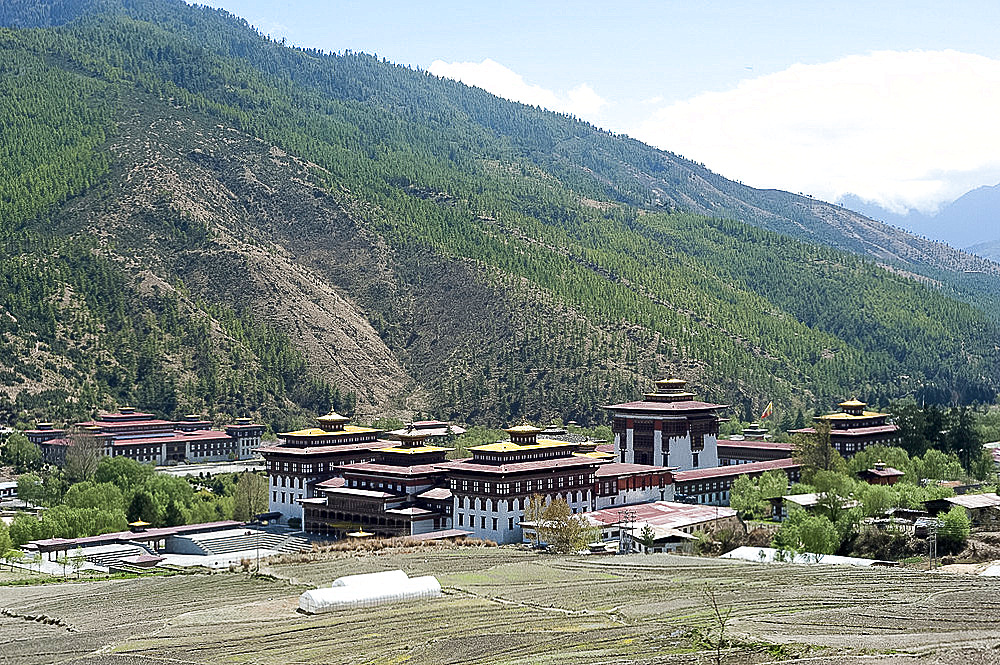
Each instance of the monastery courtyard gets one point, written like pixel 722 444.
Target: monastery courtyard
pixel 506 605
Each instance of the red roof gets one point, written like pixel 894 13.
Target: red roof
pixel 520 467
pixel 336 481
pixel 436 494
pixel 887 472
pixel 735 470
pixel 682 407
pixel 751 445
pixel 662 513
pixel 114 424
pixel 391 470
pixel 318 450
pixel 857 431
pixel 617 469
pixel 173 437
pixel 354 491
pixel 56 442
pixel 605 448
pixel 148 534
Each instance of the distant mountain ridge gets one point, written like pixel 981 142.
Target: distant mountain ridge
pixel 970 222
pixel 423 245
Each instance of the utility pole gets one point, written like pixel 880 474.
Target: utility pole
pixel 932 544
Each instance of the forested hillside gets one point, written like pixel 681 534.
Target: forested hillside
pixel 196 218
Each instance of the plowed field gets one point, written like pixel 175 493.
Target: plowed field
pixel 510 606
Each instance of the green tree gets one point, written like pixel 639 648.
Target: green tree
pixel 745 497
pixel 249 496
pixel 5 542
pixel 77 560
pixel 83 454
pixel 564 531
pixel 816 453
pixel 142 507
pixel 174 514
pixel 24 529
pixel 534 513
pixel 818 536
pixel 20 453
pixel 955 528
pixel 647 537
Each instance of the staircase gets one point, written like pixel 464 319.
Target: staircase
pixel 109 559
pixel 245 543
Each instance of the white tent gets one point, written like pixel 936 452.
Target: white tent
pixel 368 590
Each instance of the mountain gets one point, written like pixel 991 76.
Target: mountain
pixel 196 218
pixel 971 221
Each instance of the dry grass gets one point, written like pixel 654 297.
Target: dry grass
pixel 504 605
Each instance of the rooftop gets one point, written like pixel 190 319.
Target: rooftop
pixel 884 472
pixel 680 407
pixel 320 450
pixel 508 446
pixel 735 470
pixel 415 450
pixel 749 444
pixel 391 469
pixel 618 469
pixel 853 431
pixel 661 514
pixel 436 494
pixel 353 491
pixel 520 467
pixel 986 500
pixel 319 432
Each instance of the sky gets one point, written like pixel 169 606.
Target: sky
pixel 894 102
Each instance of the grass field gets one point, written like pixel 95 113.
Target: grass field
pixel 511 606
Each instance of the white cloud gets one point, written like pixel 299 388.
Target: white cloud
pixel 904 129
pixel 490 75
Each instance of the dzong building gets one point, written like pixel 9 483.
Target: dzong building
pixel 667 427
pixel 854 428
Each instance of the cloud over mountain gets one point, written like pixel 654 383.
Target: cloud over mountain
pixel 490 75
pixel 907 129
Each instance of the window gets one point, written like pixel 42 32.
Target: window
pixel 510 523
pixel 461 520
pixel 282 497
pixel 274 496
pixel 494 524
pixel 482 522
pixel 694 457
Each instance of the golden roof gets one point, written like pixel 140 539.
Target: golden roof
pixel 414 450
pixel 671 383
pixel 316 431
pixel 596 454
pixel 853 403
pixel 523 429
pixel 508 446
pixel 334 418
pixel 851 416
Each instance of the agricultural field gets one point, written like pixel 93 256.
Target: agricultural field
pixel 506 605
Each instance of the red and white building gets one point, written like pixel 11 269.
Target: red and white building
pixel 711 486
pixel 146 438
pixel 402 493
pixel 668 427
pixel 305 457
